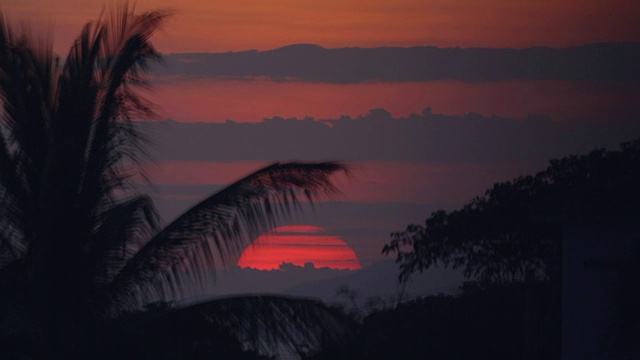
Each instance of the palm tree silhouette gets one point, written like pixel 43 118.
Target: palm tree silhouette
pixel 78 246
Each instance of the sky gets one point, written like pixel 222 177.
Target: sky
pixel 420 134
pixel 234 25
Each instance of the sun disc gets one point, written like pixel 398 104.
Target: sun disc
pixel 299 245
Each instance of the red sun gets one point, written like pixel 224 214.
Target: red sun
pixel 299 244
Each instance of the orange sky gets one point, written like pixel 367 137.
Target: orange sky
pixel 370 181
pixel 235 25
pixel 215 100
pixel 224 25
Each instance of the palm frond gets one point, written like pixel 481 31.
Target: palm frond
pixel 91 135
pixel 69 235
pixel 28 70
pixel 11 248
pixel 126 51
pixel 180 256
pixel 123 229
pixel 12 238
pixel 273 324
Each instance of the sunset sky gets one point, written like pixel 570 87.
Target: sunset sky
pixel 233 25
pixel 402 168
pixel 299 245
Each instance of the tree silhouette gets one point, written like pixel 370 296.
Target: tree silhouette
pixel 474 325
pixel 78 246
pixel 514 230
pixel 511 237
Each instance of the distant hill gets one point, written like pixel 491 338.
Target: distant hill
pixel 379 281
pixel 307 62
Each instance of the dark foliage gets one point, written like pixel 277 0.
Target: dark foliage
pixel 516 227
pixel 622 340
pixel 165 333
pixel 513 321
pixel 79 249
pixel 512 237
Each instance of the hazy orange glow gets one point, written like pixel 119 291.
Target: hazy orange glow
pixel 211 100
pixel 370 181
pixel 199 172
pixel 299 245
pixel 223 25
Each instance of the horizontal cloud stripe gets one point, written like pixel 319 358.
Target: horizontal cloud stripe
pixel 215 100
pixel 605 61
pixel 380 136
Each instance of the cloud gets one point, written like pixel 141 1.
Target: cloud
pixel 305 62
pixel 404 167
pixel 378 136
pixel 239 280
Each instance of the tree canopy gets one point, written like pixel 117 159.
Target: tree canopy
pixel 514 230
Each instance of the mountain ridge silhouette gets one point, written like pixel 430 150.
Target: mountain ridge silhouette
pixel 618 61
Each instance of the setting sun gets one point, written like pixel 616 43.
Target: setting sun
pixel 299 244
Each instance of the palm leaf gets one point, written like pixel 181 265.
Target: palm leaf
pixel 123 230
pixel 69 234
pixel 100 74
pixel 273 324
pixel 177 260
pixel 27 94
